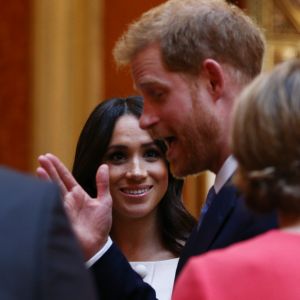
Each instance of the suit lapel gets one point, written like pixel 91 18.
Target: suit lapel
pixel 216 217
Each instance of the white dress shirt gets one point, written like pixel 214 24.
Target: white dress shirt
pixel 226 171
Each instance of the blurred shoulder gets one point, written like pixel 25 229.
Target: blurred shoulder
pixel 25 189
pixel 251 251
pixel 12 178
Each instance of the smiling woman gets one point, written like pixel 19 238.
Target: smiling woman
pixel 150 224
pixel 137 172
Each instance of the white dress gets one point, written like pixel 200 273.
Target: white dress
pixel 159 274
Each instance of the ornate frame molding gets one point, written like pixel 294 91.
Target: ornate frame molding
pixel 292 9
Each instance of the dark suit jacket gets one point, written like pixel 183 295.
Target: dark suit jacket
pixel 39 256
pixel 227 221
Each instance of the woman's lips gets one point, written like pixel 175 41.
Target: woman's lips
pixel 136 191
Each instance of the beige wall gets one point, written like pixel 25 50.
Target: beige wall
pixel 67 73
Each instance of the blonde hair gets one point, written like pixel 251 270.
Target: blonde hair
pixel 266 140
pixel 189 31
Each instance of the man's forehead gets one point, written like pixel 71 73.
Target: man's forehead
pixel 146 58
pixel 149 77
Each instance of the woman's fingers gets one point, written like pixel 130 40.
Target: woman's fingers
pixel 51 172
pixel 64 174
pixel 42 174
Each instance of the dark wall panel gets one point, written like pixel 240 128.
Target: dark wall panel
pixel 14 84
pixel 117 15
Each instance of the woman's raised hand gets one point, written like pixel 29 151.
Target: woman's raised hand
pixel 91 218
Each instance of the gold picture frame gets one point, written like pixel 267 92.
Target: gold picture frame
pixel 292 9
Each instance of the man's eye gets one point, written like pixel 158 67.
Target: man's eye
pixel 156 94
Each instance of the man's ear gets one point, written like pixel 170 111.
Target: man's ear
pixel 215 75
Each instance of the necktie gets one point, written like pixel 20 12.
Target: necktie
pixel 209 199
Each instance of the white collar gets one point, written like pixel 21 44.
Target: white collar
pixel 226 171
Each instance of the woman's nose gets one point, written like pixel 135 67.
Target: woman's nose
pixel 136 170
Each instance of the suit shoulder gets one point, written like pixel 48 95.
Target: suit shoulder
pixel 25 190
pixel 12 179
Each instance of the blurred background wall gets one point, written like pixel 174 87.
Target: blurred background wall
pixel 56 65
pixel 15 104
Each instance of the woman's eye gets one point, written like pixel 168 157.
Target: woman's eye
pixel 152 154
pixel 116 157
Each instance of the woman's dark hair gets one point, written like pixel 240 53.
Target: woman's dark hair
pixel 175 221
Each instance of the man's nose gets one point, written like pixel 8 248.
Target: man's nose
pixel 148 118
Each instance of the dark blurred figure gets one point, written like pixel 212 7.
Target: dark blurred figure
pixel 39 256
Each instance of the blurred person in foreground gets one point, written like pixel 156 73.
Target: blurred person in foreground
pixel 40 258
pixel 266 144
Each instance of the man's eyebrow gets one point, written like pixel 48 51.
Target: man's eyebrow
pixel 146 84
pixel 149 82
